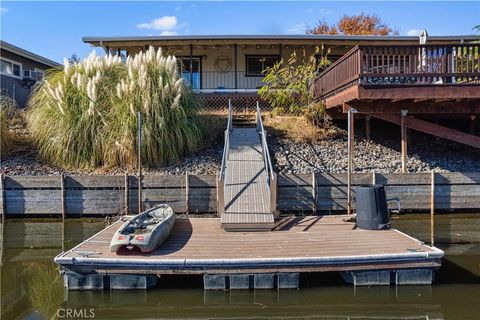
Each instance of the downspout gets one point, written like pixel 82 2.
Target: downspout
pixel 103 47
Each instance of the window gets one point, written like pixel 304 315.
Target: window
pixel 256 65
pixel 40 74
pixel 10 68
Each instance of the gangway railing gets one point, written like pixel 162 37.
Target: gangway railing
pixel 271 180
pixel 223 168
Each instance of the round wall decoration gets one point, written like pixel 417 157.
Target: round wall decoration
pixel 223 64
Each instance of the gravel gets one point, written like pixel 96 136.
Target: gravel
pixel 328 155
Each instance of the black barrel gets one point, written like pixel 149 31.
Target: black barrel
pixel 372 210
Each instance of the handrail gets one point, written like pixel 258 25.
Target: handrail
pixel 226 146
pixel 225 155
pixel 271 179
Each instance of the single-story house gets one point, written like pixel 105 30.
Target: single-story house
pixel 235 63
pixel 20 70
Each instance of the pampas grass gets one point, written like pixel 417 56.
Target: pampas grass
pixel 7 138
pixel 85 115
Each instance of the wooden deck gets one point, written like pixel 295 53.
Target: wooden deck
pixel 247 197
pixel 310 244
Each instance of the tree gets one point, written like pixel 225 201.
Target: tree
pixel 360 24
pixel 287 87
pixel 74 58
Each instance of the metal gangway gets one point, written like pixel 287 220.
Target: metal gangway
pixel 246 184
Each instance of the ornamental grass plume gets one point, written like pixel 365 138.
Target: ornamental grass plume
pixel 7 138
pixel 86 114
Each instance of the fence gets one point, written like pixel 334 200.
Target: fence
pixel 110 195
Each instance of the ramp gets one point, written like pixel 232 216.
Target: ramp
pixel 247 184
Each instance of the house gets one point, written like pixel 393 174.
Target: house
pixel 20 70
pixel 392 78
pixel 235 63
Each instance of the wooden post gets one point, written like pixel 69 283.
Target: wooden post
pixel 126 193
pixel 235 64
pixel 432 209
pixel 187 186
pixel 140 206
pixel 220 195
pixel 314 192
pixel 403 125
pixel 62 196
pixel 273 193
pixel 191 66
pixel 367 127
pixel 351 133
pixel 374 178
pixel 472 124
pixel 4 200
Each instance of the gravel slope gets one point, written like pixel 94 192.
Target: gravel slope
pixel 329 155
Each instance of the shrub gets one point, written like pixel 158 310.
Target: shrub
pixel 7 109
pixel 86 114
pixel 287 86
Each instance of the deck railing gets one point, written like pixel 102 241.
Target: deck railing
pixel 223 81
pixel 271 178
pixel 225 155
pixel 406 65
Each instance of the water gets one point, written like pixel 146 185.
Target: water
pixel 32 288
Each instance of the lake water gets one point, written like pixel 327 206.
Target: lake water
pixel 32 288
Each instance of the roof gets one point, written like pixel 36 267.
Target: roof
pixel 99 40
pixel 27 54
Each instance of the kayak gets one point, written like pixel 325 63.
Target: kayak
pixel 145 231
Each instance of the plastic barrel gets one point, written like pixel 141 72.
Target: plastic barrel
pixel 372 210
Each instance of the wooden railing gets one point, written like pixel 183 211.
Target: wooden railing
pixel 401 65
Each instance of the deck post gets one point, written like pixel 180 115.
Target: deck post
pixel 186 192
pixel 367 127
pixel 220 195
pixel 432 208
pixel 126 193
pixel 140 209
pixel 62 195
pixel 351 133
pixel 314 192
pixel 191 66
pixel 403 125
pixel 472 124
pixel 4 200
pixel 235 64
pixel 273 193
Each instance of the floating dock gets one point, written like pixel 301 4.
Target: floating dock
pixel 254 260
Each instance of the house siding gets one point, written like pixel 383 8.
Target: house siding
pixel 12 86
pixel 211 78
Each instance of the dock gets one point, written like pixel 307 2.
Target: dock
pixel 248 260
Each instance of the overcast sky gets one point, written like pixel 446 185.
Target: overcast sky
pixel 55 29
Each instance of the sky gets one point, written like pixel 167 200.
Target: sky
pixel 54 29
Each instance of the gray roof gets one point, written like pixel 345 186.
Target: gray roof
pixel 27 54
pixel 90 39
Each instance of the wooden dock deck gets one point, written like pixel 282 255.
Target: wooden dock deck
pixel 309 244
pixel 246 192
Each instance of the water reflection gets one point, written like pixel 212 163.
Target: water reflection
pixel 32 288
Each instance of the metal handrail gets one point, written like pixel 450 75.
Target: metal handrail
pixel 226 146
pixel 266 154
pixel 225 155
